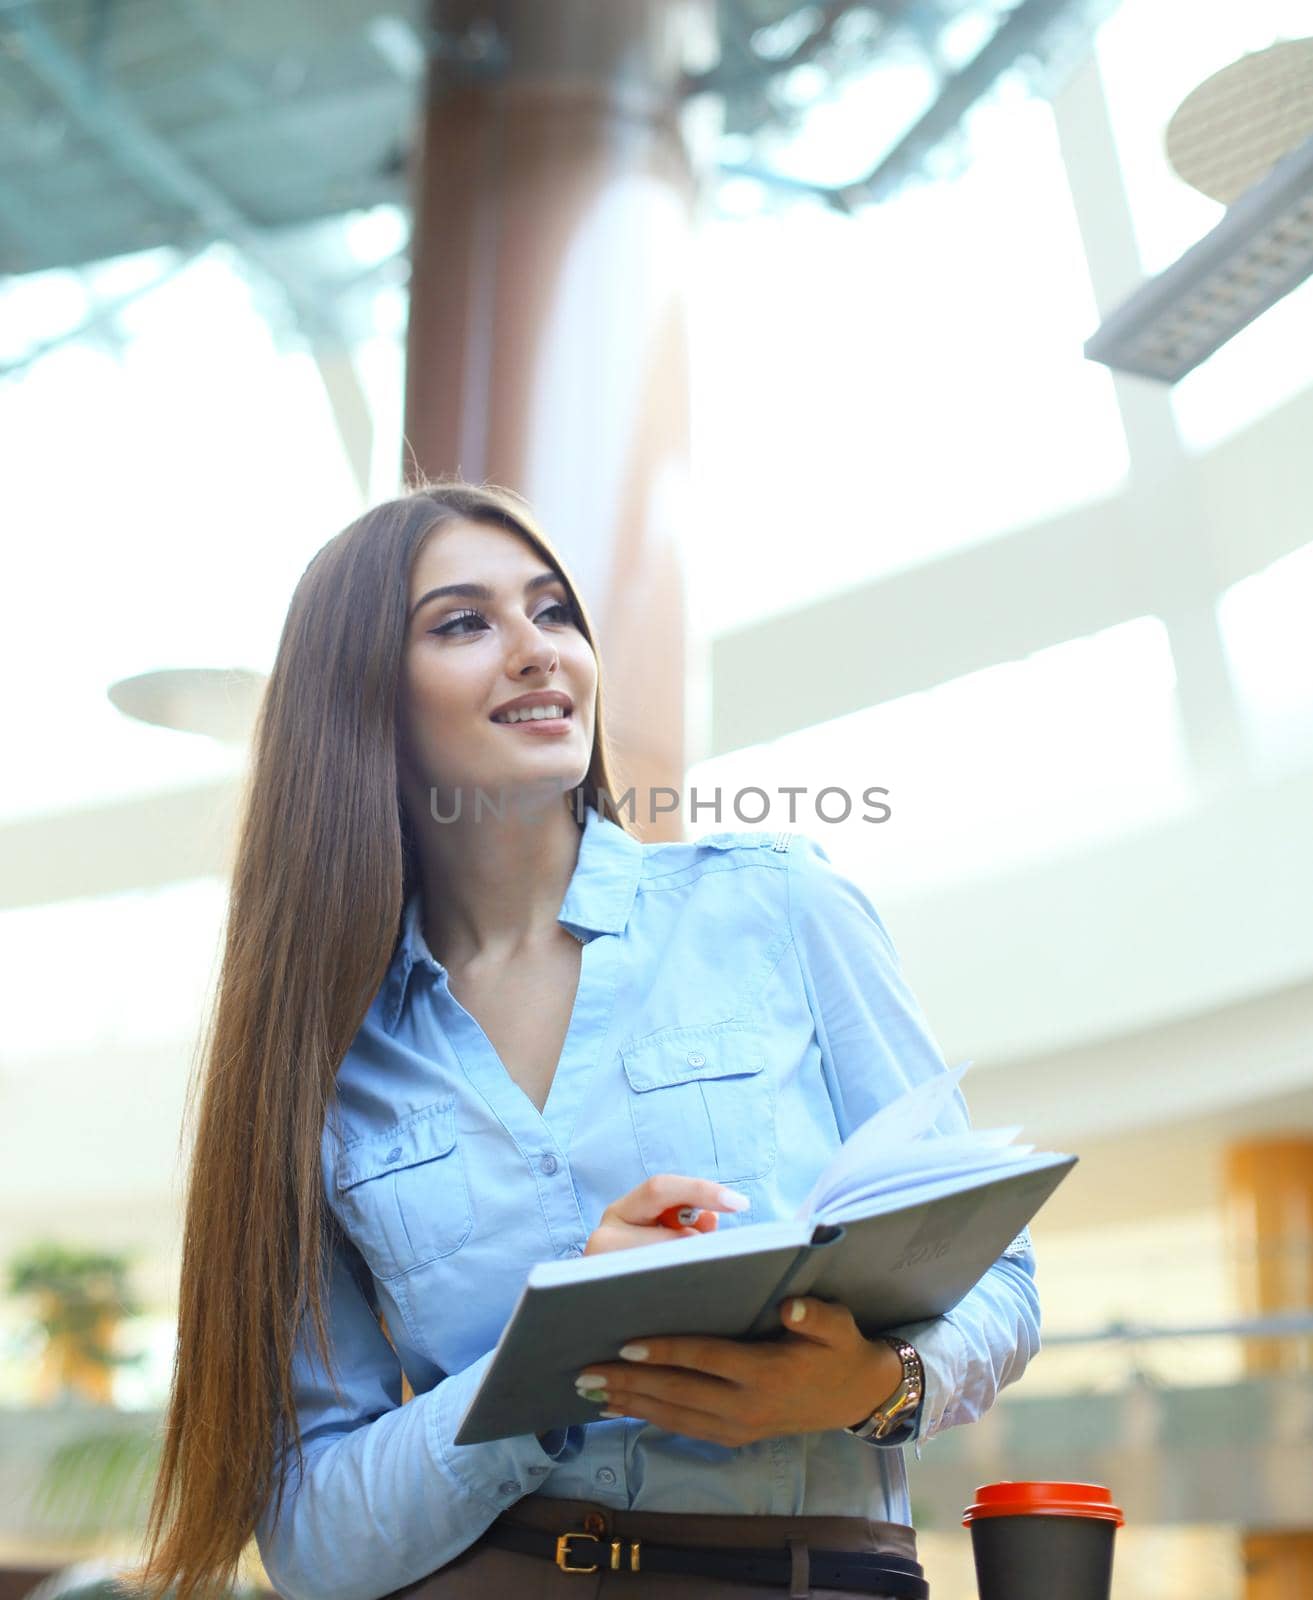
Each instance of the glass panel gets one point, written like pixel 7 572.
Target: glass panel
pixel 111 971
pixel 1264 622
pixel 197 471
pixel 882 389
pixel 1020 760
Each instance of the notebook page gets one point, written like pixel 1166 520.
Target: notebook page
pixel 876 1141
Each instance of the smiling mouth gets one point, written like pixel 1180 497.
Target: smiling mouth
pixel 559 715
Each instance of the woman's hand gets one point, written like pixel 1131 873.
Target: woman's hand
pixel 823 1374
pixel 631 1220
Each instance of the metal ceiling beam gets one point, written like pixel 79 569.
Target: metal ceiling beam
pixel 154 164
pixel 1021 32
pixel 102 316
pixel 21 221
pixel 737 31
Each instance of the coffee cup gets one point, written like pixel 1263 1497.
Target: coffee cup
pixel 1043 1541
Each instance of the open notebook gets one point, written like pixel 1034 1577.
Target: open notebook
pixel 899 1225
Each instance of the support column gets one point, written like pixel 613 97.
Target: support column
pixel 547 345
pixel 1269 1196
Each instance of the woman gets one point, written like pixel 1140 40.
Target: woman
pixel 467 1021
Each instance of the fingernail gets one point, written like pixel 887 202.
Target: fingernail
pixel 797 1311
pixel 590 1380
pixel 610 1413
pixel 732 1200
pixel 633 1352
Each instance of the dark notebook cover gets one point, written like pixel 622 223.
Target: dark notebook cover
pixel 911 1257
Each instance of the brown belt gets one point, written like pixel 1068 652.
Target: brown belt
pixel 876 1558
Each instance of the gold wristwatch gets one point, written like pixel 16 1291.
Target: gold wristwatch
pixel 902 1402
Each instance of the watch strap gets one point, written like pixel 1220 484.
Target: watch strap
pixel 902 1403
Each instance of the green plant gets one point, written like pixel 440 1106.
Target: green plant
pixel 97 1484
pixel 80 1294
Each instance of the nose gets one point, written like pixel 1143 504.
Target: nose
pixel 534 652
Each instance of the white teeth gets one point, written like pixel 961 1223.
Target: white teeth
pixel 534 713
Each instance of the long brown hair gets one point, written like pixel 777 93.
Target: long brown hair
pixel 323 867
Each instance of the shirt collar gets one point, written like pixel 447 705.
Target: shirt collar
pixel 598 900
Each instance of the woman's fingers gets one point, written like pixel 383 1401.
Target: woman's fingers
pixel 643 1205
pixel 651 1212
pixel 668 1398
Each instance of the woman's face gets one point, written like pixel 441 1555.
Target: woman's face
pixel 468 654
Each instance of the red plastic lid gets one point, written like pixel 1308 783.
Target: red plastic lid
pixel 1045 1500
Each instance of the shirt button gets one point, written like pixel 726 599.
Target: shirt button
pixel 509 1487
pixel 537 1472
pixel 696 1058
pixel 549 1164
pixel 605 1475
pixel 572 1250
pixel 394 1154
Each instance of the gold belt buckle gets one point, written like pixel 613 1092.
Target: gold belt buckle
pixel 616 1545
pixel 563 1550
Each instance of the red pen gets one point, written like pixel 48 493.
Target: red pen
pixel 679 1216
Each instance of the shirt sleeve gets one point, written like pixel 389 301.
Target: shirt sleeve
pixel 875 1044
pixel 386 1497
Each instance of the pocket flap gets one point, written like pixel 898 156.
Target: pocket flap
pixel 422 1136
pixel 684 1055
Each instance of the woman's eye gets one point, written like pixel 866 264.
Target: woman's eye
pixel 450 625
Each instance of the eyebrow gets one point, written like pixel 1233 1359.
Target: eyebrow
pixel 479 591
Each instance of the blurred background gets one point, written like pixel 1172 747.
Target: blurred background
pixel 778 315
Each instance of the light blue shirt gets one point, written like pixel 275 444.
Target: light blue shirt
pixel 740 1010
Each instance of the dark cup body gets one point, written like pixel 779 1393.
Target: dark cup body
pixel 1043 1557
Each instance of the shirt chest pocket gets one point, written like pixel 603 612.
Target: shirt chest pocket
pixel 702 1103
pixel 402 1193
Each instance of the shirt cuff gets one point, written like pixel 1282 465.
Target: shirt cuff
pixel 499 1471
pixel 943 1351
